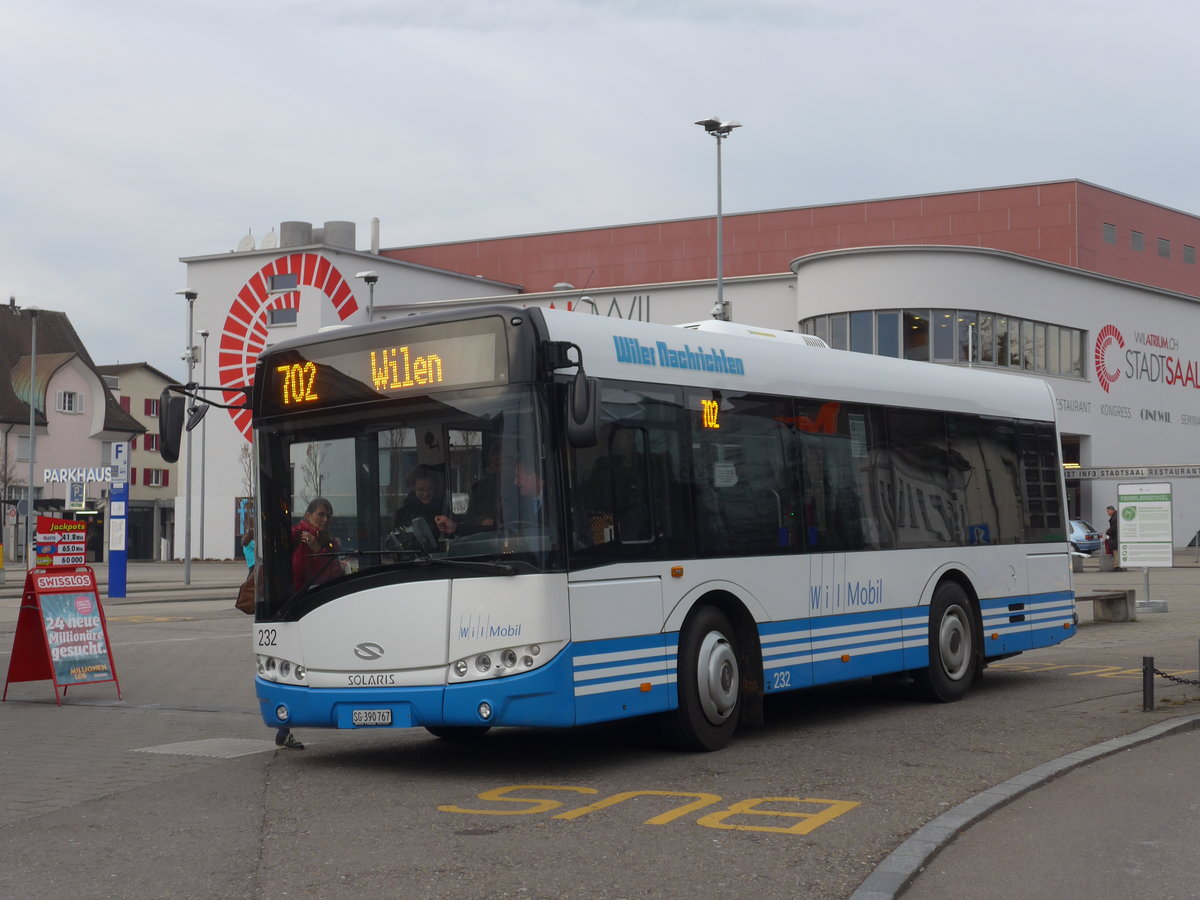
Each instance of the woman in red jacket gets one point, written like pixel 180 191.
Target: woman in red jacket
pixel 314 557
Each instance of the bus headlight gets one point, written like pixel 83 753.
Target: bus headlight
pixel 279 670
pixel 501 662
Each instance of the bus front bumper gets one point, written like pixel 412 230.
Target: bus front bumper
pixel 530 699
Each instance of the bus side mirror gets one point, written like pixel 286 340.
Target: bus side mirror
pixel 171 414
pixel 581 411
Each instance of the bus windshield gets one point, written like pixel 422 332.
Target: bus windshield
pixel 452 484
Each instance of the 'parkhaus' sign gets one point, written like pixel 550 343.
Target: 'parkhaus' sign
pixel 75 476
pixel 1100 474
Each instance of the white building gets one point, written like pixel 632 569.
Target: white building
pixel 1118 354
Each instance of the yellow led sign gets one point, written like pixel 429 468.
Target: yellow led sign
pixel 397 368
pixel 296 383
pixel 390 363
pixel 709 410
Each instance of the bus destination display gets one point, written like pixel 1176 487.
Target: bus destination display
pixel 390 364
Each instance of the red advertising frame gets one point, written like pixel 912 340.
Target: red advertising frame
pixel 62 635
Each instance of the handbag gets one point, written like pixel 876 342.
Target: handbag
pixel 245 596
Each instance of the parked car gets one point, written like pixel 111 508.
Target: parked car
pixel 1084 537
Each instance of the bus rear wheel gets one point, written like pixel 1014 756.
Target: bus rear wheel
pixel 458 732
pixel 953 648
pixel 708 681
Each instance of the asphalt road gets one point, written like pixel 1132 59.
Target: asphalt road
pixel 176 789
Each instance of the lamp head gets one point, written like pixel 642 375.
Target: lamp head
pixel 368 277
pixel 188 294
pixel 715 126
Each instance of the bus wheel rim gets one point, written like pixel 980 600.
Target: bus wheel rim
pixel 954 643
pixel 717 677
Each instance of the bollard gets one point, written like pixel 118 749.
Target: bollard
pixel 1147 683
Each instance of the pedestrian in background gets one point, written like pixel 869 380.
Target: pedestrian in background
pixel 248 547
pixel 1112 537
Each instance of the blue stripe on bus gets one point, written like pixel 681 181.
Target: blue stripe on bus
pixel 623 677
pixel 825 649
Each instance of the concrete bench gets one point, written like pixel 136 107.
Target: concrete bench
pixel 1112 606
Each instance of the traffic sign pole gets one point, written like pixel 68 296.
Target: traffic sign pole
pixel 118 506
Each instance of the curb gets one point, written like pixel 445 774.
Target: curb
pixel 904 863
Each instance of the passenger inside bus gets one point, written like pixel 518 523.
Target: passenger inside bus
pixel 483 507
pixel 314 553
pixel 426 500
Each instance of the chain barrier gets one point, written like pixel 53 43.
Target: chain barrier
pixel 1176 678
pixel 1148 673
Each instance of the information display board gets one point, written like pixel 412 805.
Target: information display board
pixel 1145 532
pixel 61 632
pixel 60 542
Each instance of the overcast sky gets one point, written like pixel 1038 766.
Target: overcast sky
pixel 136 132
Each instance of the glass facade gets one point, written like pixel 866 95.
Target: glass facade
pixel 959 337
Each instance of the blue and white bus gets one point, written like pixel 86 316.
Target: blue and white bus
pixel 623 519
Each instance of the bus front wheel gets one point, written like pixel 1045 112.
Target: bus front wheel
pixel 953 650
pixel 709 682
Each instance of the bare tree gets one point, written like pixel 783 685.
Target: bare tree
pixel 247 462
pixel 310 471
pixel 10 475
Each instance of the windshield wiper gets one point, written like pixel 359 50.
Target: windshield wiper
pixel 498 568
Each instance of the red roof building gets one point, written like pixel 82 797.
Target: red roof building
pixel 1072 223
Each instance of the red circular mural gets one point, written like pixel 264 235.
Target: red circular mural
pixel 244 334
pixel 1108 336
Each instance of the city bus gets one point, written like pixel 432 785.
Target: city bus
pixel 623 519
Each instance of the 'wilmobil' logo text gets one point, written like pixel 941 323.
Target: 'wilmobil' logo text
pixel 661 355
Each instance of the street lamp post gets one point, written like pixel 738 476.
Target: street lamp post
pixel 203 332
pixel 29 514
pixel 189 357
pixel 33 313
pixel 370 278
pixel 720 130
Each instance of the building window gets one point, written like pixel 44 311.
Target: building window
pixel 916 334
pixel 281 317
pixel 1001 340
pixel 1136 240
pixel 962 337
pixel 112 382
pixel 1164 248
pixel 70 402
pixel 839 331
pixel 1110 233
pixel 942 321
pixel 861 339
pixel 151 442
pixel 1189 254
pixel 968 338
pixel 156 477
pixel 152 408
pixel 985 351
pixel 23 448
pixel 887 324
pixel 285 281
